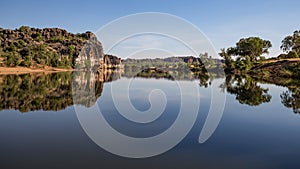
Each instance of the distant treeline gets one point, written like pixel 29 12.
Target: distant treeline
pixel 195 64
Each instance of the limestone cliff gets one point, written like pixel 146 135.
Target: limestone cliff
pixel 91 54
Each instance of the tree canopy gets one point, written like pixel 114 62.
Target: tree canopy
pixel 253 47
pixel 291 43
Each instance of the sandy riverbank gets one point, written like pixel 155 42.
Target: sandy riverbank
pixel 25 70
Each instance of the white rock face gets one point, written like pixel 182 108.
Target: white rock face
pixel 91 55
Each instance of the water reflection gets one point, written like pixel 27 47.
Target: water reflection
pixel 87 86
pixel 30 92
pixel 155 73
pixel 53 91
pixel 291 99
pixel 56 91
pixel 247 90
pixel 204 78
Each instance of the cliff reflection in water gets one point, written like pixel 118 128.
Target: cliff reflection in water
pixel 87 86
pixel 53 91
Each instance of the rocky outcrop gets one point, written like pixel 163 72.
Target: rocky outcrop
pixel 110 62
pixel 55 47
pixel 91 55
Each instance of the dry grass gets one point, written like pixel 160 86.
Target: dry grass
pixel 288 59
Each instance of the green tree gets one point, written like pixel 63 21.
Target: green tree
pixel 12 58
pixel 40 54
pixel 57 39
pixel 248 63
pixel 207 60
pixel 27 61
pixel 37 37
pixel 20 43
pixel 54 61
pixel 229 63
pixel 253 47
pixel 71 50
pixel 240 64
pixel 291 43
pixel 292 54
pixel 25 29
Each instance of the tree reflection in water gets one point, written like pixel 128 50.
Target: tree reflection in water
pixel 291 99
pixel 51 91
pixel 56 91
pixel 247 90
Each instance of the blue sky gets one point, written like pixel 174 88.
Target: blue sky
pixel 223 22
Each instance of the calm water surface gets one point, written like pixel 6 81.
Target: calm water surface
pixel 39 128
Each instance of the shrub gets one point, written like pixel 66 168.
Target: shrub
pixel 71 50
pixel 57 39
pixel 20 43
pixel 292 54
pixel 12 58
pixel 37 37
pixel 27 61
pixel 282 56
pixel 25 29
